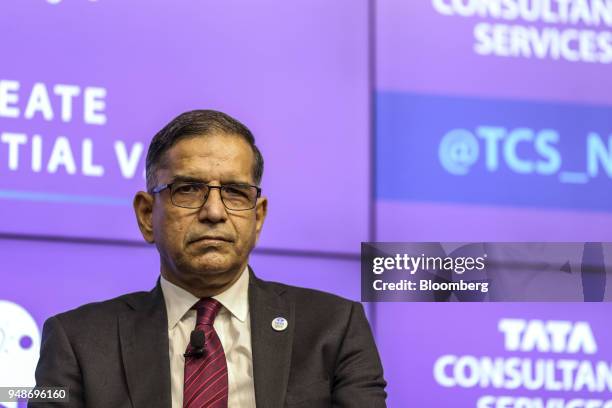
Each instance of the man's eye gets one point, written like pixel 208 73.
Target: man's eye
pixel 187 189
pixel 235 191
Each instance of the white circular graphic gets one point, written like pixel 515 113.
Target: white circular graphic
pixel 19 346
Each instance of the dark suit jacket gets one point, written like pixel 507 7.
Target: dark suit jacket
pixel 115 353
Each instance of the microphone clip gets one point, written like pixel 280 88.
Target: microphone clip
pixel 196 352
pixel 196 344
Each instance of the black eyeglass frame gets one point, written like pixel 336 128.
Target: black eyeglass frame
pixel 169 186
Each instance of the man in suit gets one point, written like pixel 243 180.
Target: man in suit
pixel 210 334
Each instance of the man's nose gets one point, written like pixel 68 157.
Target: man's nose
pixel 213 209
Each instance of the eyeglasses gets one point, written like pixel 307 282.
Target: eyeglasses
pixel 193 195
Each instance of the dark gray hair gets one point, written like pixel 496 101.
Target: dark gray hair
pixel 198 123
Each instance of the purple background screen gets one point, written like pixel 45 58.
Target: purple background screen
pixel 350 102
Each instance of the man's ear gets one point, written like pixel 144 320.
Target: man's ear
pixel 143 207
pixel 261 210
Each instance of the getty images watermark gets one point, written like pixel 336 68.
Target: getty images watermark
pixel 442 272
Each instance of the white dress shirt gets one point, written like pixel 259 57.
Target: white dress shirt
pixel 233 326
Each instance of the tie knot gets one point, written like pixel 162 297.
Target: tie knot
pixel 207 309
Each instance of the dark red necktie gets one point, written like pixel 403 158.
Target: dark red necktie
pixel 206 376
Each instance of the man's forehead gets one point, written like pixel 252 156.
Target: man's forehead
pixel 207 158
pixel 217 145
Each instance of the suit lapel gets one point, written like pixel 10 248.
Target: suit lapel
pixel 143 334
pixel 271 349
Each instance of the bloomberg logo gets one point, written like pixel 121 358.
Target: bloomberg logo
pixel 496 146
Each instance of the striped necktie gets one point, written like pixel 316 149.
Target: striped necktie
pixel 206 376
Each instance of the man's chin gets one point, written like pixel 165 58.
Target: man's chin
pixel 215 275
pixel 213 264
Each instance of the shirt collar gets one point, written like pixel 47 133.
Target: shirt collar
pixel 179 301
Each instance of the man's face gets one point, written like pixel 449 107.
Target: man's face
pixel 206 247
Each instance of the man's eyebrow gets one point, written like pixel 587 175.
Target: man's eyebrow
pixel 190 179
pixel 181 178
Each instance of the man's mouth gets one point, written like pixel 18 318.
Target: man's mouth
pixel 210 238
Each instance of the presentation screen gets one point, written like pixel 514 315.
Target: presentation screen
pixel 85 85
pixel 493 124
pixel 493 120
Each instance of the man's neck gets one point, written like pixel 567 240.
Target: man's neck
pixel 202 292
